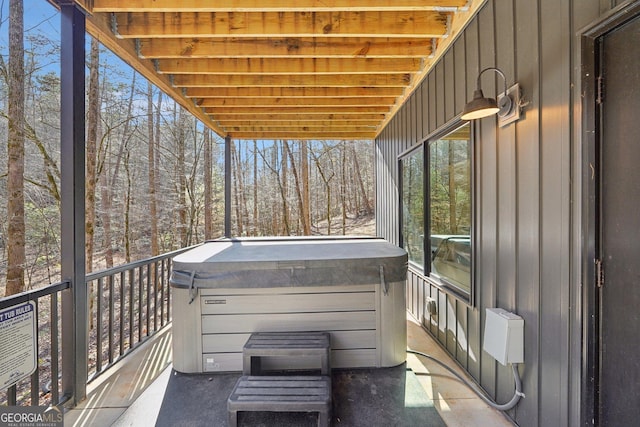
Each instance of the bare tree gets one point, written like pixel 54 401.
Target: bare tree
pixel 306 203
pixel 181 172
pixel 237 189
pixel 356 166
pixel 272 166
pixel 326 180
pixel 255 188
pixel 306 228
pixel 91 178
pixel 208 186
pixel 153 209
pixel 127 208
pixel 284 188
pixel 343 185
pixel 16 257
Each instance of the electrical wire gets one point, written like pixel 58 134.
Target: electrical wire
pixel 518 394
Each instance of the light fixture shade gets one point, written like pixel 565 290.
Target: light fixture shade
pixel 479 107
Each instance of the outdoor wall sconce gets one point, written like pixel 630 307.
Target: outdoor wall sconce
pixel 507 106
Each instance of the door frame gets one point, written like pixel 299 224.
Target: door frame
pixel 590 45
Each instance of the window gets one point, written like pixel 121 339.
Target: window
pixel 412 204
pixel 450 208
pixel 436 208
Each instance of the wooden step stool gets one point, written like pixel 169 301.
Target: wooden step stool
pixel 281 394
pixel 292 344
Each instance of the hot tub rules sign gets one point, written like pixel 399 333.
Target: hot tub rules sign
pixel 18 354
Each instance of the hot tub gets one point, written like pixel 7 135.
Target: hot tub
pixel 353 288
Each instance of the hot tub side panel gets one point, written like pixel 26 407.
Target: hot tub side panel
pixel 222 296
pixel 186 327
pixel 367 327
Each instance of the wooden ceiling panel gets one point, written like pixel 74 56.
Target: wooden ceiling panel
pixel 226 117
pixel 279 47
pixel 275 69
pixel 293 102
pixel 288 66
pixel 279 80
pixel 293 92
pixel 272 5
pixel 286 24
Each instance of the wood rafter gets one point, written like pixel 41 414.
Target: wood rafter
pixel 279 80
pixel 257 69
pixel 289 66
pixel 293 92
pixel 279 47
pixel 286 24
pixel 301 116
pixel 272 5
pixel 297 110
pixel 292 102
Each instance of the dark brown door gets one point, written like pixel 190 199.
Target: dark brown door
pixel 619 379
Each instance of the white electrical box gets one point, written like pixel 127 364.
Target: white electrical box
pixel 504 336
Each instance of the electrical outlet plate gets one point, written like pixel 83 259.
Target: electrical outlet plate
pixel 430 311
pixel 514 113
pixel 430 306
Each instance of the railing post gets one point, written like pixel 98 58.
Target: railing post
pixel 227 186
pixel 72 166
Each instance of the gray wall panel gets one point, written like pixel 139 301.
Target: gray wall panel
pixel 440 95
pixel 462 341
pixel 432 102
pixel 424 98
pixel 449 95
pixel 451 325
pixel 486 145
pixel 472 68
pixel 460 77
pixel 554 173
pixel 527 229
pixel 507 181
pixel 417 116
pixel 412 120
pixel 528 191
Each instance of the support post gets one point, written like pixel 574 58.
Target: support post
pixel 227 187
pixel 72 166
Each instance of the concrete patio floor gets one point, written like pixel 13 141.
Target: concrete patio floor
pixel 143 390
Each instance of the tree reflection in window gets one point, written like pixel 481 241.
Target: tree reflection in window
pixel 450 208
pixel 413 206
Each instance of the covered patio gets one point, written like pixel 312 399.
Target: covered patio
pixel 398 73
pixel 248 70
pixel 144 389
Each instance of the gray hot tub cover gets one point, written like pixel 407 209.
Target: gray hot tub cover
pixel 280 262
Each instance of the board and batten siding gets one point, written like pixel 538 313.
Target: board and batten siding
pixel 527 193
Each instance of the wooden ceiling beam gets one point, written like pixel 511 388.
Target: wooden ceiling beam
pixel 249 60
pixel 371 124
pixel 286 24
pixel 98 27
pixel 265 80
pixel 224 117
pixel 278 47
pixel 290 102
pixel 301 128
pixel 272 5
pixel 292 92
pixel 289 66
pixel 320 135
pixel 302 109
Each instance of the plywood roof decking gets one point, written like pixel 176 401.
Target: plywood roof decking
pixel 282 69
